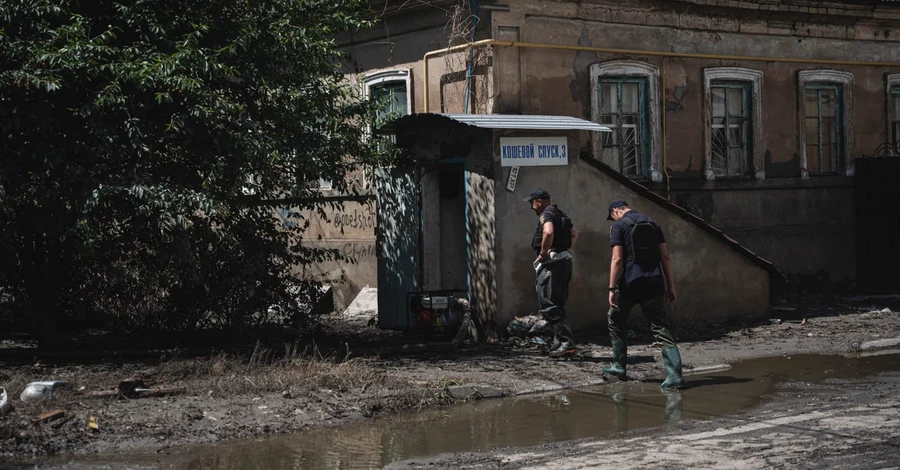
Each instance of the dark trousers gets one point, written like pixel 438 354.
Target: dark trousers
pixel 655 310
pixel 552 285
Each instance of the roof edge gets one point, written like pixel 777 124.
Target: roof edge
pixel 644 191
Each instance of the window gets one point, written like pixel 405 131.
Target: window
pixel 393 95
pixel 393 88
pixel 826 135
pixel 892 86
pixel 623 108
pixel 733 144
pixel 895 119
pixel 823 127
pixel 625 98
pixel 730 130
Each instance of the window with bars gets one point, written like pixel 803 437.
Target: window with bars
pixel 731 129
pixel 823 117
pixel 623 108
pixel 895 118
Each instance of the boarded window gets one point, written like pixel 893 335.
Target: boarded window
pixel 731 132
pixel 823 127
pixel 623 108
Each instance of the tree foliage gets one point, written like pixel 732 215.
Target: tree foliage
pixel 140 142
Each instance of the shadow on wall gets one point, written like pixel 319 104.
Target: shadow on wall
pixel 397 244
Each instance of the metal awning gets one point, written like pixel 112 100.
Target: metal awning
pixel 496 121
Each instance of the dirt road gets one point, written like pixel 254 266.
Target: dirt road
pixel 223 398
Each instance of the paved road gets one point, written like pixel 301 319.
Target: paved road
pixel 839 424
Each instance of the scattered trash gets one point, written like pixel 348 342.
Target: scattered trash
pixel 133 388
pixel 810 335
pixel 40 390
pixel 803 322
pixel 5 406
pixel 92 424
pixel 656 344
pixel 287 394
pixel 883 310
pixel 774 321
pixel 47 417
pixel 527 330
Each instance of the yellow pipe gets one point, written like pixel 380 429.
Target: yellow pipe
pixel 607 50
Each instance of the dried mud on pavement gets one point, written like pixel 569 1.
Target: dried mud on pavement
pixel 221 397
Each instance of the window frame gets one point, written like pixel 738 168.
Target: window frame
pixel 643 115
pixel 891 122
pixel 632 69
pixel 371 81
pixel 837 160
pixel 753 81
pixel 844 81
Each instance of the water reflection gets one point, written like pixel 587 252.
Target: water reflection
pixel 601 411
pixel 490 424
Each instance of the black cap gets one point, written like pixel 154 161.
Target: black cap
pixel 613 205
pixel 538 193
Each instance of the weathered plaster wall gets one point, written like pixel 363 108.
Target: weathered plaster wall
pixel 350 230
pixel 783 218
pixel 713 281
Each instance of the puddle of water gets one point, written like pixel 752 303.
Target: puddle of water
pixel 594 412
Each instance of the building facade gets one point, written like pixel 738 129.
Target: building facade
pixel 749 115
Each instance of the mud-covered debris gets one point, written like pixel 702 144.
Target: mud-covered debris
pixel 41 390
pixel 92 424
pixel 5 406
pixel 48 417
pixel 287 394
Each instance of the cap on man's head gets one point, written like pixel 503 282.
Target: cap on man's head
pixel 538 193
pixel 614 205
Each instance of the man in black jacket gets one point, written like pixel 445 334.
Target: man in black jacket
pixel 552 239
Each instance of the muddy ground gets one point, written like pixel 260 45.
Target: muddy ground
pixel 357 372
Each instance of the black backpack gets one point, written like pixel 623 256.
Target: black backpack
pixel 643 241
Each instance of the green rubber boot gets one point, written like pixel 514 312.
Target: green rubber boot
pixel 620 357
pixel 672 362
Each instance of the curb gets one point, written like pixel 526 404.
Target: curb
pixel 879 344
pixel 708 369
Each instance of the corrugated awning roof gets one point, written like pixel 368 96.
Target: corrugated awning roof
pixel 498 121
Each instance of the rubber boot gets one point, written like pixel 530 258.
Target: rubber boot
pixel 672 362
pixel 563 334
pixel 620 357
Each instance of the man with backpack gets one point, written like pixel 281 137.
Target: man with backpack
pixel 552 239
pixel 640 259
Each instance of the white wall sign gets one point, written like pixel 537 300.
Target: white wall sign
pixel 513 176
pixel 533 151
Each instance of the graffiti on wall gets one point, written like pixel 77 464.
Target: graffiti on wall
pixel 360 218
pixel 359 250
pixel 355 218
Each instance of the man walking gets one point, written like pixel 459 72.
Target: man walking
pixel 552 239
pixel 640 258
